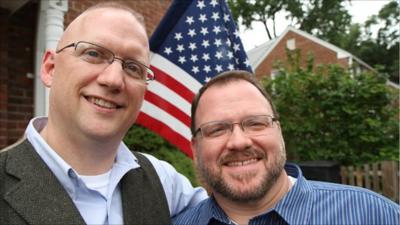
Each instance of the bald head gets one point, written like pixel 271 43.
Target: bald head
pixel 92 17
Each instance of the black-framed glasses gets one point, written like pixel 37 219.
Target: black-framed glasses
pixel 96 54
pixel 252 125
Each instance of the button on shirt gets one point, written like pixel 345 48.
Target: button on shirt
pixel 308 202
pixel 98 208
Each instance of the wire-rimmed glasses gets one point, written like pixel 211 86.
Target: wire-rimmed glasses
pixel 252 125
pixel 96 54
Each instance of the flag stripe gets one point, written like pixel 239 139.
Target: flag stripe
pixel 168 107
pixel 168 120
pixel 169 95
pixel 159 127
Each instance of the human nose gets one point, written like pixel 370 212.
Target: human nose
pixel 112 76
pixel 238 140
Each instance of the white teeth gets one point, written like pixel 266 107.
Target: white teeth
pixel 102 103
pixel 242 163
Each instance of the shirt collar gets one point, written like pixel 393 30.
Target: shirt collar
pixel 299 195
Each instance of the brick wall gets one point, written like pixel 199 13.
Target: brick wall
pixel 16 49
pixel 322 55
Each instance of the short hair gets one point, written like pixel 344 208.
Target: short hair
pixel 118 5
pixel 223 79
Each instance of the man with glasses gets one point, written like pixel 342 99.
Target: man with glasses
pixel 73 167
pixel 240 158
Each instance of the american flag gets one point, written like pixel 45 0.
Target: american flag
pixel 195 41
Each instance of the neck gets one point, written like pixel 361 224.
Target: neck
pixel 241 213
pixel 86 156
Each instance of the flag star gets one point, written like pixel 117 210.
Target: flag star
pixel 247 62
pixel 193 58
pixel 178 36
pixel 201 5
pixel 230 55
pixel 216 29
pixel 182 59
pixel 218 68
pixel 231 67
pixel 204 31
pixel 207 69
pixel 218 55
pixel 203 18
pixel 189 20
pixel 218 42
pixel 180 48
pixel 213 3
pixel 195 69
pixel 205 43
pixel 192 46
pixel 228 42
pixel 236 33
pixel 236 47
pixel 192 32
pixel 167 50
pixel 226 17
pixel 215 16
pixel 205 57
pixel 207 79
pixel 236 60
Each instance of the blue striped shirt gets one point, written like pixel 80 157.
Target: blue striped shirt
pixel 308 202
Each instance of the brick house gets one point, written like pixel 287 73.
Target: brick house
pixel 27 28
pixel 263 57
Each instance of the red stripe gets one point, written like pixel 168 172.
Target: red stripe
pixel 167 107
pixel 173 84
pixel 166 132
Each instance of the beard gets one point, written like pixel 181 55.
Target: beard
pixel 215 180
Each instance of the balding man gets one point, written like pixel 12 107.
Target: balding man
pixel 73 167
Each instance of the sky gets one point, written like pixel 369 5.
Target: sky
pixel 360 10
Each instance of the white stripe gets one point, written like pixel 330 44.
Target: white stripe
pixel 169 95
pixel 167 119
pixel 176 72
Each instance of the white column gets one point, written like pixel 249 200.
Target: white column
pixel 50 29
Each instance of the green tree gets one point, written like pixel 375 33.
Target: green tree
pixel 382 52
pixel 143 140
pixel 324 18
pixel 329 114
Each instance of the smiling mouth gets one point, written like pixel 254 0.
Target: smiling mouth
pixel 242 163
pixel 102 103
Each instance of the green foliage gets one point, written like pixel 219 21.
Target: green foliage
pixel 327 114
pixel 323 18
pixel 141 139
pixel 381 52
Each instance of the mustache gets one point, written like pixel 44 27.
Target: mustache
pixel 242 155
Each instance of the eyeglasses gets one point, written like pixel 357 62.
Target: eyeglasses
pixel 253 125
pixel 96 54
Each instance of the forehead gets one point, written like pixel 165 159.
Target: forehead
pixel 116 29
pixel 232 100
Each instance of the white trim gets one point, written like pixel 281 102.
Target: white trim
pixel 49 31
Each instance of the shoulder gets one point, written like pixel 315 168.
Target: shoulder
pixel 353 199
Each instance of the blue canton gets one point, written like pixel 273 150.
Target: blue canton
pixel 204 42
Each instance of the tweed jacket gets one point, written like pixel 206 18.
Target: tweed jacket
pixel 31 194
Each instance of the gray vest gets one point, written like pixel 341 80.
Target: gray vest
pixel 31 194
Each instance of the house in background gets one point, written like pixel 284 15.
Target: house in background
pixel 27 29
pixel 264 57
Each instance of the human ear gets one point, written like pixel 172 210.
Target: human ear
pixel 47 68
